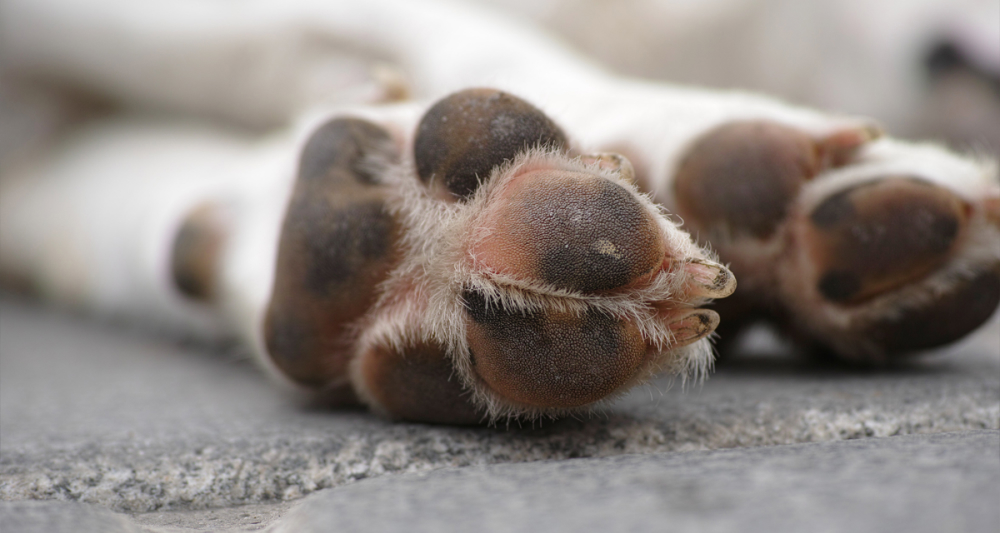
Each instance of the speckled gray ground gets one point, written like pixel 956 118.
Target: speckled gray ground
pixel 936 483
pixel 60 517
pixel 914 483
pixel 93 414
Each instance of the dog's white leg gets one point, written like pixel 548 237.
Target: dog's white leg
pixel 901 62
pixel 263 63
pixel 95 224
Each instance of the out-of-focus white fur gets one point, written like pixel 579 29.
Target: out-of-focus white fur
pixel 93 223
pixel 857 56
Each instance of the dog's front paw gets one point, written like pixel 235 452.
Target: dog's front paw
pixel 871 247
pixel 493 272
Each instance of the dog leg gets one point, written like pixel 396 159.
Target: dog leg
pixel 125 217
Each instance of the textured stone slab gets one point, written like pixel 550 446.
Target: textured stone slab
pixel 915 483
pixel 55 516
pixel 61 517
pixel 95 414
pixel 948 482
pixel 943 482
pixel 239 519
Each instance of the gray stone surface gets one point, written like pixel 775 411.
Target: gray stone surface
pixel 94 414
pixel 948 482
pixel 55 516
pixel 915 483
pixel 239 519
pixel 61 517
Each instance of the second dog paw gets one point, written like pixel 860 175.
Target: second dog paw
pixel 872 248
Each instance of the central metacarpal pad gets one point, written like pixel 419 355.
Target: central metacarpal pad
pixel 551 359
pixel 570 230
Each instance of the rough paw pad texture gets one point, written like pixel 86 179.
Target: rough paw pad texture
pixel 740 178
pixel 464 136
pixel 551 359
pixel 572 232
pixel 878 236
pixel 337 243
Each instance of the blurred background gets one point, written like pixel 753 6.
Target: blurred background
pixel 925 69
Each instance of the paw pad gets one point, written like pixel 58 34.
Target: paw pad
pixel 418 383
pixel 878 236
pixel 740 178
pixel 946 319
pixel 548 358
pixel 464 136
pixel 338 242
pixel 571 231
pixel 196 252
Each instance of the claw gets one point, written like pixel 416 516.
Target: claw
pixel 711 280
pixel 693 325
pixel 616 163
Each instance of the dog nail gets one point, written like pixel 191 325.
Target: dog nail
pixel 712 279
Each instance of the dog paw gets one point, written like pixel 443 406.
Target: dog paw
pixel 871 247
pixel 484 270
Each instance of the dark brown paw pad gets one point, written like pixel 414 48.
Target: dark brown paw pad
pixel 197 251
pixel 463 137
pixel 550 359
pixel 337 243
pixel 417 384
pixel 879 236
pixel 344 149
pixel 740 179
pixel 940 321
pixel 570 230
